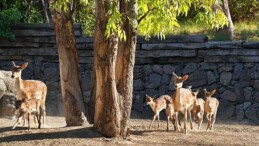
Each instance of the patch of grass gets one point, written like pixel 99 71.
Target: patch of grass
pixel 244 31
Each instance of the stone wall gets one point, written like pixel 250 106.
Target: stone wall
pixel 230 67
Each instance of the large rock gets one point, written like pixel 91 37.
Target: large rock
pixel 229 95
pixel 7 105
pixel 245 78
pixel 248 93
pixel 240 113
pixel 52 74
pixel 138 84
pixel 211 78
pixel 252 113
pixel 189 68
pixel 225 78
pixel 157 69
pixel 5 76
pixel 154 81
pixel 168 69
pixel 2 88
pixel 225 110
pixel 197 78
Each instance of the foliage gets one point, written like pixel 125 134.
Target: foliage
pixel 84 14
pixel 163 15
pixel 243 10
pixel 8 15
pixel 245 31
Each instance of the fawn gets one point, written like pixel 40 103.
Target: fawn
pixel 29 89
pixel 210 108
pixel 198 110
pixel 157 106
pixel 26 107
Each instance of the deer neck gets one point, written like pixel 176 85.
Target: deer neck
pixel 19 83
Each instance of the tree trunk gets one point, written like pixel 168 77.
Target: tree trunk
pixel 113 68
pixel 44 6
pixel 230 28
pixel 69 69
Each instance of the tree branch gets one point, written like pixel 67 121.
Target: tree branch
pixel 142 17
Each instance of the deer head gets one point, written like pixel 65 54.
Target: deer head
pixel 149 99
pixel 17 70
pixel 195 93
pixel 178 81
pixel 209 94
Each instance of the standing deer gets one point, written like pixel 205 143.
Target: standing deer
pixel 183 100
pixel 29 89
pixel 170 114
pixel 210 108
pixel 198 110
pixel 27 107
pixel 157 106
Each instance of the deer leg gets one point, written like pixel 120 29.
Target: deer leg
pixel 15 124
pixel 39 120
pixel 29 124
pixel 173 121
pixel 43 113
pixel 208 118
pixel 158 120
pixel 154 117
pixel 185 119
pixel 200 119
pixel 176 119
pixel 168 118
pixel 214 118
pixel 189 113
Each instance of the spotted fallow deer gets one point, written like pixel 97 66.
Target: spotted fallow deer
pixel 210 108
pixel 183 100
pixel 27 107
pixel 29 89
pixel 157 105
pixel 198 110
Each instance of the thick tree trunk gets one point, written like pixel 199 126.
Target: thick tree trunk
pixel 69 71
pixel 230 28
pixel 113 67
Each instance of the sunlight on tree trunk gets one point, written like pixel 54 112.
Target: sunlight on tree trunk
pixel 69 68
pixel 230 28
pixel 113 66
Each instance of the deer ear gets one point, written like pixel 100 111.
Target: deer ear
pixel 212 92
pixel 185 77
pixel 13 63
pixel 24 65
pixel 174 75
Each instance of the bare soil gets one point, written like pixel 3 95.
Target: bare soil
pixel 56 133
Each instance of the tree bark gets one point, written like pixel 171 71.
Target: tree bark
pixel 69 68
pixel 230 28
pixel 113 68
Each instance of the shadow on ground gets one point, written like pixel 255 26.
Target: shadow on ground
pixel 87 132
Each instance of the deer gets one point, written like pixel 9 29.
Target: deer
pixel 170 114
pixel 27 107
pixel 210 108
pixel 197 111
pixel 29 89
pixel 157 105
pixel 183 101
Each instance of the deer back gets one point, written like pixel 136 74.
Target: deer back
pixel 32 89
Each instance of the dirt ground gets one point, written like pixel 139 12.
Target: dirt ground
pixel 56 133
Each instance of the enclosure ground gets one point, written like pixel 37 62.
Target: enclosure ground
pixel 56 133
